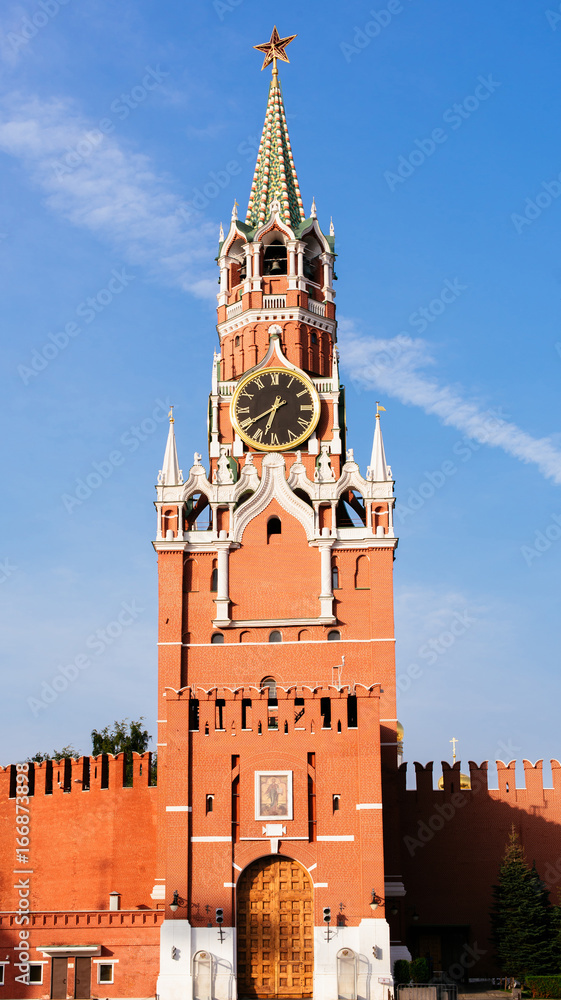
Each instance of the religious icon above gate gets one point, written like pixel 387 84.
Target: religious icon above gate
pixel 273 795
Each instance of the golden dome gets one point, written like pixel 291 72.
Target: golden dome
pixel 465 782
pixel 399 732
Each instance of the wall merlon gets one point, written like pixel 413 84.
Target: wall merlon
pixel 479 777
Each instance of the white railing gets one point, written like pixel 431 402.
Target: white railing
pixel 323 386
pixel 234 310
pixel 274 301
pixel 226 388
pixel 316 307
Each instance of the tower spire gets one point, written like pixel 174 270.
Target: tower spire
pixel 378 470
pixel 275 173
pixel 170 474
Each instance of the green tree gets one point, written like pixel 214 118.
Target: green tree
pixel 419 970
pixel 523 919
pixel 122 736
pixel 55 755
pixel 401 972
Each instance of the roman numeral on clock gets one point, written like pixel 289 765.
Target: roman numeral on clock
pixel 303 423
pixel 244 424
pixel 259 383
pixel 245 409
pixel 304 406
pixel 258 434
pixel 274 439
pixel 275 378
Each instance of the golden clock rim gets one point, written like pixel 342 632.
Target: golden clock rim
pixel 276 447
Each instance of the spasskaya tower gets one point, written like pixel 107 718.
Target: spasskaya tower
pixel 277 719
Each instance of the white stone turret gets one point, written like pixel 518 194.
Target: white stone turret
pixel 170 474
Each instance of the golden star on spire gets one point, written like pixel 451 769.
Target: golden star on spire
pixel 274 49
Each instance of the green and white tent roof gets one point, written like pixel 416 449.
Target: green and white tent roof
pixel 275 173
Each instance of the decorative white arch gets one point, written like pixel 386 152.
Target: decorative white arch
pixel 273 485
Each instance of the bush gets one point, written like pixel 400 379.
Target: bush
pixel 401 972
pixel 419 970
pixel 544 986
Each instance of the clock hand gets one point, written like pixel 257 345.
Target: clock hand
pixel 278 402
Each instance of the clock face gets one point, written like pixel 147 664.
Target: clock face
pixel 275 409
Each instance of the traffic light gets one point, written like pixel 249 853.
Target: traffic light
pixel 327 914
pixel 219 915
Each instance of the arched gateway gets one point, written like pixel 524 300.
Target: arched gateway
pixel 275 929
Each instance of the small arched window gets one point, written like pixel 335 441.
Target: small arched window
pixel 274 527
pixel 334 635
pixel 275 636
pixel 271 685
pixel 237 342
pixel 217 639
pixel 336 803
pixel 209 804
pixel 214 577
pixel 314 337
pixel 335 585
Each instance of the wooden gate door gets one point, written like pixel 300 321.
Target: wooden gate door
pixel 83 978
pixel 275 928
pixel 59 976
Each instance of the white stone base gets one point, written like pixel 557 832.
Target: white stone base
pixel 370 942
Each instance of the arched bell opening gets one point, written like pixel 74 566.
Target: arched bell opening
pixel 275 259
pixel 198 513
pixel 351 512
pixel 237 267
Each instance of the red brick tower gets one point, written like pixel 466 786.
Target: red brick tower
pixel 276 674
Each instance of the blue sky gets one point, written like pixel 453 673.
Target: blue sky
pixel 428 132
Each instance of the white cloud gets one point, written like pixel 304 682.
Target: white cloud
pixel 393 366
pixel 92 180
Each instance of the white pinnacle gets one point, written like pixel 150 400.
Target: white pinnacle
pixel 378 471
pixel 170 473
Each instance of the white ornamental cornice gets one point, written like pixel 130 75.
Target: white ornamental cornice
pixel 262 314
pixel 249 478
pixel 273 485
